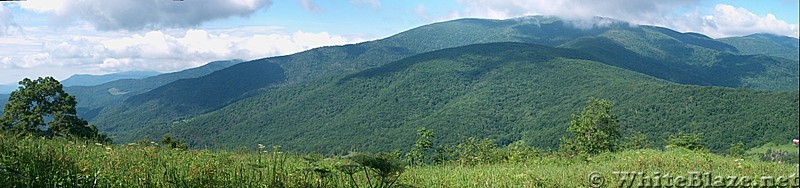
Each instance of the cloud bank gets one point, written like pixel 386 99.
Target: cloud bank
pixel 161 50
pixel 143 14
pixel 723 21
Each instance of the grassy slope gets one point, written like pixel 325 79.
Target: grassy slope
pixel 557 172
pixel 503 91
pixel 64 163
pixel 772 146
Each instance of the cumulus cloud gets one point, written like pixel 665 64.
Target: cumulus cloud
pixel 143 14
pixel 726 20
pixel 160 50
pixel 722 21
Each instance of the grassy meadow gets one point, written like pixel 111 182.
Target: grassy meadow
pixel 62 162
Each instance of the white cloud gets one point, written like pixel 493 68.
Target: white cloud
pixel 631 10
pixel 162 51
pixel 375 4
pixel 726 20
pixel 309 5
pixel 143 14
pixel 722 21
pixel 422 12
pixel 49 6
pixel 7 24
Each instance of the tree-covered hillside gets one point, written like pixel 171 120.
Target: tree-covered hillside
pixel 93 99
pixel 685 58
pixel 766 44
pixel 504 91
pixel 207 92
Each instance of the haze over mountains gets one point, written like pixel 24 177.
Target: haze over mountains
pixel 93 80
pixel 504 79
pixel 90 80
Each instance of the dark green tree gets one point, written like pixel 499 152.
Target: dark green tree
pixel 594 131
pixel 41 108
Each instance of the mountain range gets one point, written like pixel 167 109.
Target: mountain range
pixel 93 80
pixel 514 79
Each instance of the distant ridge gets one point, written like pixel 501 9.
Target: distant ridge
pixel 92 80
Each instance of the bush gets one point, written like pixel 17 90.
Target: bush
pixel 688 141
pixel 636 141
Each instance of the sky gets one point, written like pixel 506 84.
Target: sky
pixel 60 38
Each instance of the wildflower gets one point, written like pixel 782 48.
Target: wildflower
pixel 98 144
pixel 261 146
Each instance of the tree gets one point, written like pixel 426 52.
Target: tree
pixel 736 150
pixel 688 141
pixel 594 131
pixel 420 149
pixel 41 108
pixel 170 142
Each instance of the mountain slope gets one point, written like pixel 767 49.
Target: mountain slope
pixel 766 44
pixel 505 91
pixel 93 80
pixel 686 58
pixel 93 99
pixel 724 69
pixel 208 92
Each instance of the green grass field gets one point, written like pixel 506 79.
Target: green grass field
pixel 60 162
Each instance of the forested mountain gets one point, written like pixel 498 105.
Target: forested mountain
pixel 291 99
pixel 92 99
pixel 505 91
pixel 766 44
pixel 686 58
pixel 93 80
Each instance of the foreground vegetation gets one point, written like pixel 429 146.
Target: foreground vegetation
pixel 64 162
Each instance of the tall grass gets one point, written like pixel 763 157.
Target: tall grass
pixel 61 162
pixel 574 172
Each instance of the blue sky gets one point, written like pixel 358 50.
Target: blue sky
pixel 61 37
